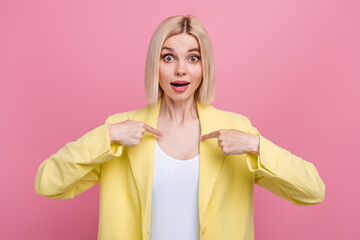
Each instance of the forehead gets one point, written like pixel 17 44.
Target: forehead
pixel 181 41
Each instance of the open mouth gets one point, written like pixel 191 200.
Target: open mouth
pixel 179 84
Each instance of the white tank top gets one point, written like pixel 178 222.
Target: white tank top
pixel 174 213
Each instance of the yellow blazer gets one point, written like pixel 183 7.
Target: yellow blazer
pixel 226 183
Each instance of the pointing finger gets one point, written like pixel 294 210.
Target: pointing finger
pixel 152 130
pixel 210 135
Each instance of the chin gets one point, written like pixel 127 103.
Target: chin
pixel 179 97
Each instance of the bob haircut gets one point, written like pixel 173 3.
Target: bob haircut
pixel 189 24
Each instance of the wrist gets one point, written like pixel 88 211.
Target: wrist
pixel 254 144
pixel 111 137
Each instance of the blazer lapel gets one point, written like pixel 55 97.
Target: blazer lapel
pixel 141 158
pixel 211 156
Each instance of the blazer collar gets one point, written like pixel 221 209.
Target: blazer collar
pixel 141 158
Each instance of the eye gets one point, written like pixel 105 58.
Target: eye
pixel 194 58
pixel 167 57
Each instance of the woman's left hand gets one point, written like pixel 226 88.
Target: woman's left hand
pixel 232 141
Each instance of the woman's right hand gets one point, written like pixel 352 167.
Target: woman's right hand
pixel 129 132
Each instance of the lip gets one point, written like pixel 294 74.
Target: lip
pixel 180 89
pixel 180 81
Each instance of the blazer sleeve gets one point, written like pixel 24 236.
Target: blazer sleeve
pixel 285 174
pixel 76 166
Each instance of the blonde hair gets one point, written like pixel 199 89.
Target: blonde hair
pixel 171 26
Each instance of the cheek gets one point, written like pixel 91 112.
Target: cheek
pixel 197 72
pixel 161 74
pixel 164 71
pixel 164 76
pixel 161 70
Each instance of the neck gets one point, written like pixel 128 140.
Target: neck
pixel 178 112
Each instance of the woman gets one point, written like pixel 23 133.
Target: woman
pixel 178 168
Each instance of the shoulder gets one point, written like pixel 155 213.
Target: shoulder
pixel 233 119
pixel 122 116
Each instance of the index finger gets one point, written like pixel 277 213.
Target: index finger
pixel 152 130
pixel 210 135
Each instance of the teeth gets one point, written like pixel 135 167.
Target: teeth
pixel 179 84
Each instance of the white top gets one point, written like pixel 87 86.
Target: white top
pixel 174 213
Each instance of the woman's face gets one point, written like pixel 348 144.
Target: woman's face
pixel 180 64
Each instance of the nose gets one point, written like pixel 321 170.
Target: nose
pixel 180 68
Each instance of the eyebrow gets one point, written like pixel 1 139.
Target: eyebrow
pixel 190 50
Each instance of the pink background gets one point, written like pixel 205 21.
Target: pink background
pixel 291 67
